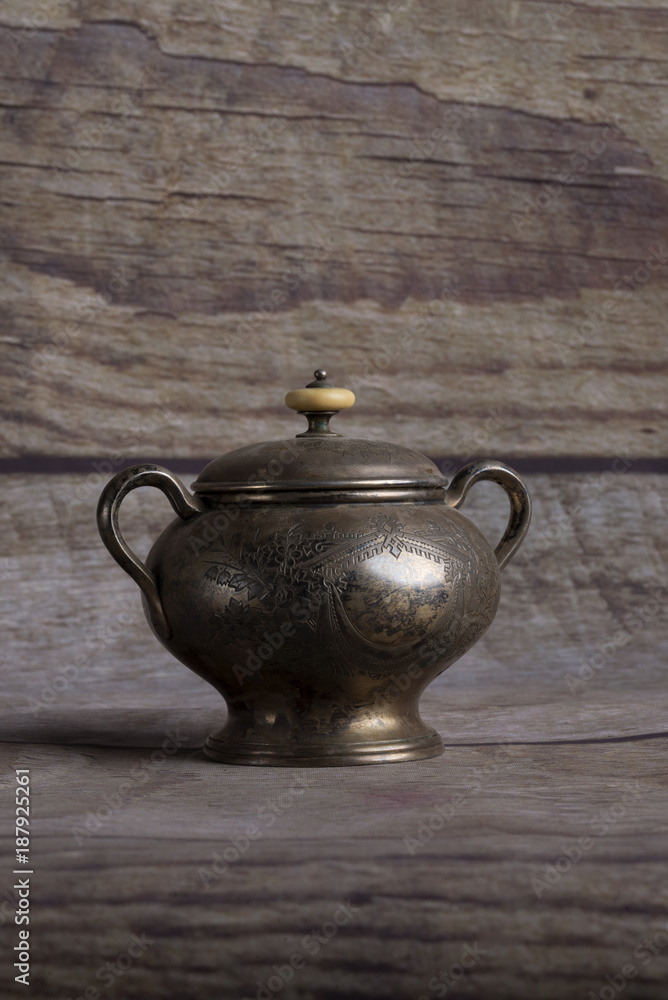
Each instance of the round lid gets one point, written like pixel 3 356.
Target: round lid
pixel 319 463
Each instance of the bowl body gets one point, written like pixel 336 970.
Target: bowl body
pixel 321 625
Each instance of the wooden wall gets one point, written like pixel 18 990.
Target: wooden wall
pixel 460 211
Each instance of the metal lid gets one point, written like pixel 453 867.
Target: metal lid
pixel 320 465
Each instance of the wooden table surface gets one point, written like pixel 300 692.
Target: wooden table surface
pixel 546 857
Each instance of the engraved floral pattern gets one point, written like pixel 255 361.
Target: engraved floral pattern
pixel 264 578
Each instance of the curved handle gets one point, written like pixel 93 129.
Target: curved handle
pixel 520 502
pixel 107 522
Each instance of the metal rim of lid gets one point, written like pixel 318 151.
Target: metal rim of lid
pixel 317 485
pixel 338 495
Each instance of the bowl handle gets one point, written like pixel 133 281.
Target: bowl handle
pixel 112 496
pixel 520 502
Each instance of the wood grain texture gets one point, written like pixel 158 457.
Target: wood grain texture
pixel 265 203
pixel 144 866
pixel 577 649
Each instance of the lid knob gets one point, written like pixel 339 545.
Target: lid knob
pixel 319 401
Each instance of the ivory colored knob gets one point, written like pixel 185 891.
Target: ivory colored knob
pixel 316 400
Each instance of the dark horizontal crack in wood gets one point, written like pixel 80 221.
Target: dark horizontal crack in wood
pixel 62 735
pixel 509 157
pixel 634 738
pixel 527 465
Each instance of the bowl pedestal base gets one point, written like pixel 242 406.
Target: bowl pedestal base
pixel 224 747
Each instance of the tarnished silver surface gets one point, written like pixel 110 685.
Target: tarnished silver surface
pixel 319 584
